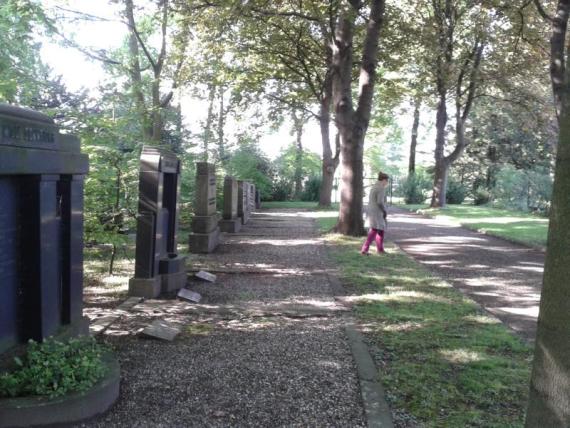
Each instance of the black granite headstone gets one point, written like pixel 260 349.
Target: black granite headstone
pixel 41 229
pixel 158 267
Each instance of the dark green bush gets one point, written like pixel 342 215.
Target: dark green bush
pixel 281 190
pixel 311 192
pixel 54 368
pixel 414 188
pixel 456 191
pixel 481 196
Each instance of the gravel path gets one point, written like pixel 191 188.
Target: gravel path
pixel 265 347
pixel 502 277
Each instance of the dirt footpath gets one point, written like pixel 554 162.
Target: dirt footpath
pixel 502 277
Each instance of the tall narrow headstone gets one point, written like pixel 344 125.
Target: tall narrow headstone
pixel 41 229
pixel 251 197
pixel 230 222
pixel 257 199
pixel 243 201
pixel 205 230
pixel 158 267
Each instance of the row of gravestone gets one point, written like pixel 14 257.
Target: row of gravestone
pixel 41 226
pixel 158 266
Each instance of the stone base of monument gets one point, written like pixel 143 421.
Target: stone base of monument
pixel 204 242
pixel 148 288
pixel 230 226
pixel 173 281
pixel 244 219
pixel 70 408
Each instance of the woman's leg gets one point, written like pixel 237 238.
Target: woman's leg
pixel 369 239
pixel 380 241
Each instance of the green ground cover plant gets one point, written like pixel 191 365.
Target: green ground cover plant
pixel 515 226
pixel 442 359
pixel 54 368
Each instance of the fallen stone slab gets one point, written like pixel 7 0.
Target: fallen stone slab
pixel 101 324
pixel 189 295
pixel 163 330
pixel 206 276
pixel 129 303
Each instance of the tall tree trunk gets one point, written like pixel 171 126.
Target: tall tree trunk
pixel 221 122
pixel 352 124
pixel 549 401
pixel 135 72
pixel 441 167
pixel 298 122
pixel 156 113
pixel 330 161
pixel 209 120
pixel 414 142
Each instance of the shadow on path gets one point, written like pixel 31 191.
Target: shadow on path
pixel 503 277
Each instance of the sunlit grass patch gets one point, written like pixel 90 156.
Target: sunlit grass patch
pixel 515 226
pixel 443 360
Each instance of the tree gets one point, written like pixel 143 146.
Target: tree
pixel 353 122
pixel 549 401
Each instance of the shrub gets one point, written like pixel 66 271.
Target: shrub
pixel 312 189
pixel 524 189
pixel 54 368
pixel 456 191
pixel 481 196
pixel 414 188
pixel 281 190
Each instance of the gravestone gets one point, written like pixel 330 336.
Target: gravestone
pixel 243 201
pixel 158 267
pixel 41 229
pixel 230 222
pixel 206 232
pixel 257 199
pixel 252 192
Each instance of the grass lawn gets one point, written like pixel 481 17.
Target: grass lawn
pixel 515 226
pixel 442 360
pixel 296 205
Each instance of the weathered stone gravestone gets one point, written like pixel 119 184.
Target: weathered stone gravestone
pixel 206 232
pixel 252 192
pixel 158 267
pixel 41 229
pixel 230 221
pixel 257 199
pixel 243 201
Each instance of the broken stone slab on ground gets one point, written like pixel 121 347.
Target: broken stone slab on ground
pixel 206 276
pixel 163 330
pixel 189 295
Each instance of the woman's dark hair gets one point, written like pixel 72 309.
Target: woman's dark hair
pixel 383 176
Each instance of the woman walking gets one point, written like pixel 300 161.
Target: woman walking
pixel 377 214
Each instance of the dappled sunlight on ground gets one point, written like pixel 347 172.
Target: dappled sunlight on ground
pixel 461 356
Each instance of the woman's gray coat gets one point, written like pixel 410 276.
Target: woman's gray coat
pixel 376 200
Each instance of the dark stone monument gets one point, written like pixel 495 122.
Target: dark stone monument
pixel 158 267
pixel 230 222
pixel 257 199
pixel 252 192
pixel 206 232
pixel 41 229
pixel 243 201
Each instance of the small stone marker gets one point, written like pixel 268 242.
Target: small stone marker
pixel 161 329
pixel 191 296
pixel 206 276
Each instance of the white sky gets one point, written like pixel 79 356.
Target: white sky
pixel 80 72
